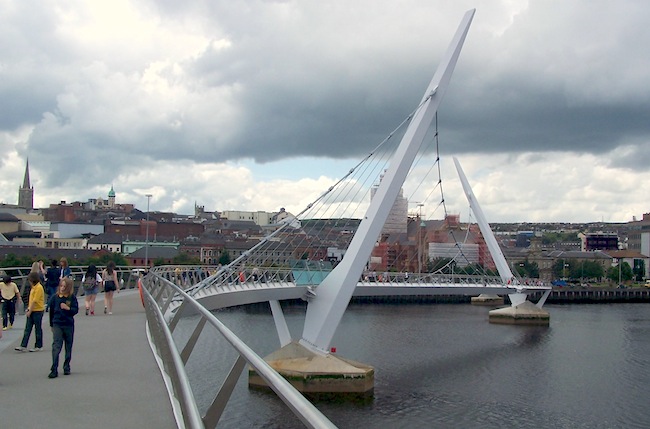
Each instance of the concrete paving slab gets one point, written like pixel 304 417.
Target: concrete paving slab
pixel 115 381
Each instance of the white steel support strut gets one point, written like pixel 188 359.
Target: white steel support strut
pixel 484 226
pixel 488 236
pixel 325 311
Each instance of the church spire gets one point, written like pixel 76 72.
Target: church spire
pixel 26 184
pixel 26 192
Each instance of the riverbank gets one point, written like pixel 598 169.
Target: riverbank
pixel 557 296
pixel 579 295
pixel 595 295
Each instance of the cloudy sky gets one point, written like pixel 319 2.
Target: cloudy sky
pixel 257 105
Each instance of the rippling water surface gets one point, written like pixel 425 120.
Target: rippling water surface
pixel 445 366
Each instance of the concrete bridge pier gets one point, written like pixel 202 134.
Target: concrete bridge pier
pixel 315 373
pixel 487 299
pixel 525 313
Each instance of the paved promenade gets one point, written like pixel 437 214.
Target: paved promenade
pixel 115 382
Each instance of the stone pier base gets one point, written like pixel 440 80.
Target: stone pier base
pixel 313 373
pixel 526 313
pixel 485 299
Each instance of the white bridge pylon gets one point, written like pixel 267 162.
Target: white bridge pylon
pixel 326 308
pixel 495 251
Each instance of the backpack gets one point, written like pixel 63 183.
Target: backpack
pixel 90 283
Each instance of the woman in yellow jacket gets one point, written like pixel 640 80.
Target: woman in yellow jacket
pixel 34 313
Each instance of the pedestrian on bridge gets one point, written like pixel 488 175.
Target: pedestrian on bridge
pixel 111 284
pixel 9 294
pixel 34 313
pixel 63 307
pixel 52 277
pixel 90 282
pixel 65 268
pixel 39 269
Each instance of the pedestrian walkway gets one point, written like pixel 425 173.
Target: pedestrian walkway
pixel 115 382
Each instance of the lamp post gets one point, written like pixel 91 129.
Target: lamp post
pixel 422 225
pixel 146 243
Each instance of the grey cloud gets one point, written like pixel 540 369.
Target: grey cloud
pixel 496 103
pixel 331 80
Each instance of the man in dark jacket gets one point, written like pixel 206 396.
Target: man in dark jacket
pixel 52 276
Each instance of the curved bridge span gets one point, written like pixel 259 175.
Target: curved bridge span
pixel 216 293
pixel 245 280
pixel 171 293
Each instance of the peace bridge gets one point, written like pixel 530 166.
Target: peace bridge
pixel 306 364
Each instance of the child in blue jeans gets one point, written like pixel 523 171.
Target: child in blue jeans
pixel 63 307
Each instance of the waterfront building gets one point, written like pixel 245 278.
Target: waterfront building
pixel 638 236
pixel 396 223
pixel 427 241
pixel 207 248
pixel 638 262
pixel 132 245
pixel 154 253
pixel 235 228
pixel 69 243
pixel 94 208
pixel 261 218
pixel 394 252
pixel 467 237
pixel 33 222
pixel 599 241
pixel 110 242
pixel 283 217
pixel 236 248
pixel 523 238
pixel 8 223
pixel 462 253
pixel 74 229
pixel 545 260
pixel 55 235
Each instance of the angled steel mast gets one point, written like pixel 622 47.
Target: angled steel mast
pixel 326 309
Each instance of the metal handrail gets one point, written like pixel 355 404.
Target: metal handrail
pixel 180 383
pixel 19 276
pixel 160 291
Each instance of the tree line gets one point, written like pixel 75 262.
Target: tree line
pixel 99 259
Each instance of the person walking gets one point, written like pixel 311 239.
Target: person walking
pixel 34 313
pixel 90 282
pixel 63 307
pixel 111 284
pixel 37 267
pixel 52 277
pixel 9 295
pixel 65 268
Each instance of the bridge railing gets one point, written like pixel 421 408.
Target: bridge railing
pixel 392 278
pixel 126 275
pixel 217 279
pixel 195 278
pixel 159 292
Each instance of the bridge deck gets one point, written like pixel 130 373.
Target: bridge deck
pixel 115 382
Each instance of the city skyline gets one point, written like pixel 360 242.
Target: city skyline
pixel 111 200
pixel 547 110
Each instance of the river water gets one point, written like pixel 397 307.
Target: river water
pixel 445 366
